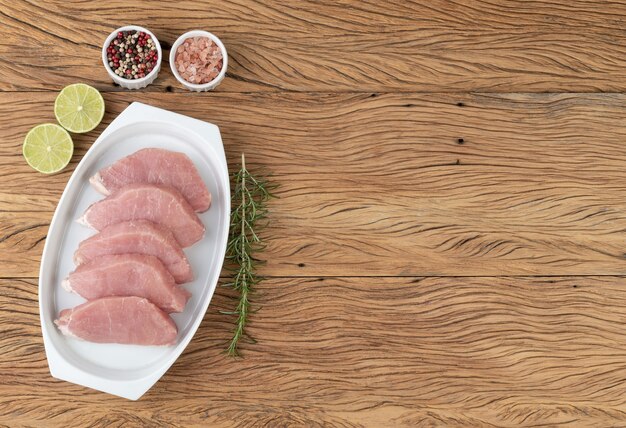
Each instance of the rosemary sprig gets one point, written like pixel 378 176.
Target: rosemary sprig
pixel 248 215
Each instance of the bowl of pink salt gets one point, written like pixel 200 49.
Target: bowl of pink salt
pixel 198 60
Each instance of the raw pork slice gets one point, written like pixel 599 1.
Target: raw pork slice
pixel 127 320
pixel 128 275
pixel 159 204
pixel 140 237
pixel 156 166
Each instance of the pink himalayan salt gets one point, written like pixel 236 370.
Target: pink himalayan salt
pixel 199 60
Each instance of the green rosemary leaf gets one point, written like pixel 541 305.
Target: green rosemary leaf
pixel 248 215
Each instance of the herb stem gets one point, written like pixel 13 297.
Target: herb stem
pixel 249 199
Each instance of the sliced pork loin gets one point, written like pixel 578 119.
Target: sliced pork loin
pixel 156 166
pixel 138 237
pixel 127 320
pixel 128 275
pixel 159 204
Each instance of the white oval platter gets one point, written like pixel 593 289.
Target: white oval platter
pixel 127 370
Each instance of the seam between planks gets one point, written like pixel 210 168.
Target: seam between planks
pixel 179 91
pixel 14 278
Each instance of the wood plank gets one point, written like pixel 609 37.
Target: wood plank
pixel 382 186
pixel 361 352
pixel 22 237
pixel 512 46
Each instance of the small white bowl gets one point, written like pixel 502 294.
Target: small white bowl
pixel 195 86
pixel 134 83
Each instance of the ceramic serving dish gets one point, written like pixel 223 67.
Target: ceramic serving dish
pixel 194 86
pixel 134 83
pixel 127 370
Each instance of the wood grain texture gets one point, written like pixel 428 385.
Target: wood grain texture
pixel 446 46
pixel 422 149
pixel 361 352
pixel 397 184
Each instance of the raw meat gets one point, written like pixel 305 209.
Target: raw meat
pixel 156 166
pixel 127 320
pixel 159 204
pixel 128 275
pixel 139 237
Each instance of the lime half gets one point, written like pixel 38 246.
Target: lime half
pixel 48 148
pixel 79 108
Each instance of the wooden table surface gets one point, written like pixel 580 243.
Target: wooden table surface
pixel 449 246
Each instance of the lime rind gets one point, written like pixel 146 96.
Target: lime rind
pixel 48 148
pixel 79 108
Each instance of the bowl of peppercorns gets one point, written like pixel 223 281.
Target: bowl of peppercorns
pixel 132 56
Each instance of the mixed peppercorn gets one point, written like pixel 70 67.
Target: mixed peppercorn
pixel 132 54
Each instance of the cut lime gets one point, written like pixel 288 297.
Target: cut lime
pixel 48 148
pixel 79 108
